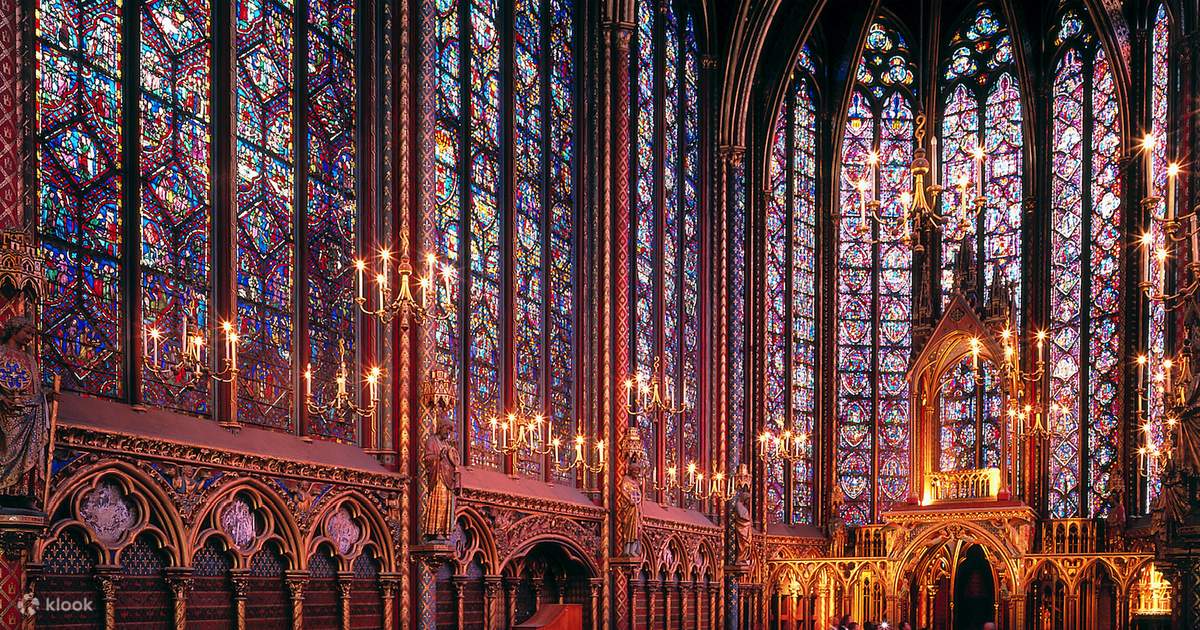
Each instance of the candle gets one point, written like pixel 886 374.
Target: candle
pixel 1167 365
pixel 1147 242
pixel 979 169
pixel 1172 175
pixel 874 161
pixel 493 423
pixel 386 255
pixel 373 382
pixel 360 266
pixel 600 449
pixel 1041 338
pixel 862 203
pixel 1148 144
pixel 963 184
pixel 183 329
pixel 308 380
pixel 382 280
pixel 934 175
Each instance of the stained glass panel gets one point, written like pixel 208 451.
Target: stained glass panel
pixel 176 185
pixel 332 213
pixel 874 300
pixel 1085 277
pixel 265 218
pixel 483 282
pixel 527 199
pixel 1156 345
pixel 78 137
pixel 561 255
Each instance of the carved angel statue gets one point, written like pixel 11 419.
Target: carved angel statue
pixel 743 524
pixel 629 497
pixel 25 413
pixel 442 481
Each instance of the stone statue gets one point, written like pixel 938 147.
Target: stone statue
pixel 837 526
pixel 25 412
pixel 1115 520
pixel 442 481
pixel 743 524
pixel 629 496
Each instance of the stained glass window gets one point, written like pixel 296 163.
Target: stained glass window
pixel 167 198
pixel 968 410
pixel 737 312
pixel 666 178
pixel 982 109
pixel 535 282
pixel 1085 274
pixel 332 216
pixel 80 94
pixel 790 295
pixel 175 181
pixel 1156 344
pixel 874 293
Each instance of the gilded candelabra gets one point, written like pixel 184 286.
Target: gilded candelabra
pixel 343 401
pixel 918 204
pixel 649 395
pixel 190 366
pixel 1177 232
pixel 403 305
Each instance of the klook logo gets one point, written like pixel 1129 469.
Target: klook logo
pixel 30 605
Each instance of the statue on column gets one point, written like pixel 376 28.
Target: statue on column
pixel 629 496
pixel 837 526
pixel 25 417
pixel 442 480
pixel 743 523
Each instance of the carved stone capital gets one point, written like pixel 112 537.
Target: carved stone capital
pixel 108 580
pixel 180 581
pixel 345 584
pixel 240 580
pixel 296 581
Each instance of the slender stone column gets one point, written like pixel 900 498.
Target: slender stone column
pixel 510 592
pixel 180 582
pixel 732 605
pixel 296 581
pixel 108 580
pixel 493 605
pixel 388 586
pixel 240 579
pixel 596 587
pixel 459 584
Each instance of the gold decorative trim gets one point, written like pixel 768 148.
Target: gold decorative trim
pixel 166 450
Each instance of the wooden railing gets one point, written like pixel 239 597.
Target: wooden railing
pixel 962 485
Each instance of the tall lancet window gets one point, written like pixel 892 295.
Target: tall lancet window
pixel 1085 273
pixel 874 287
pixel 790 293
pixel 981 116
pixel 1161 95
pixel 666 177
pixel 981 109
pixel 503 211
